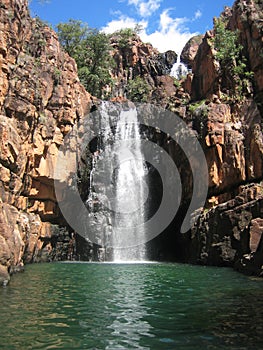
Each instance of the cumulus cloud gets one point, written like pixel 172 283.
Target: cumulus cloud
pixel 145 8
pixel 171 34
pixel 121 23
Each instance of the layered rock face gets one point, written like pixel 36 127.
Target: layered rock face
pixel 246 18
pixel 40 99
pixel 229 234
pixel 138 59
pixel 189 51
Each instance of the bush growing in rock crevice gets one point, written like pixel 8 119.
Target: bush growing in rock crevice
pixel 234 70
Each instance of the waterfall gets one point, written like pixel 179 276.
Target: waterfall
pixel 118 176
pixel 179 70
pixel 130 185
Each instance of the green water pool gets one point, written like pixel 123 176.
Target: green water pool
pixel 131 306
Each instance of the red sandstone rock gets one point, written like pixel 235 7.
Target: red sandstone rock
pixel 190 50
pixel 40 98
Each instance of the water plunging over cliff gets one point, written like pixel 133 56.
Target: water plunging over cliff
pixel 178 70
pixel 118 181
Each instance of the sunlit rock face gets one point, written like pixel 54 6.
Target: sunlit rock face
pixel 231 135
pixel 190 50
pixel 40 99
pixel 138 59
pixel 246 16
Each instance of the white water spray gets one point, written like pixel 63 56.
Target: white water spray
pixel 120 160
pixel 179 70
pixel 130 186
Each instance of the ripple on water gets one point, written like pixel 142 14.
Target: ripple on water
pixel 131 306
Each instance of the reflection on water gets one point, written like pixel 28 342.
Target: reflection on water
pixel 130 306
pixel 127 310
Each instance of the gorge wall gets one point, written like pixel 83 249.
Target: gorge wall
pixel 41 98
pixel 229 232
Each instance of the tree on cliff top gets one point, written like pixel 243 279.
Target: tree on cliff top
pixel 124 36
pixel 229 54
pixel 91 50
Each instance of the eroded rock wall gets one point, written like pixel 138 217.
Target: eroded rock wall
pixel 139 59
pixel 40 99
pixel 229 230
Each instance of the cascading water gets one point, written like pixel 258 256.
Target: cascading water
pixel 118 180
pixel 178 70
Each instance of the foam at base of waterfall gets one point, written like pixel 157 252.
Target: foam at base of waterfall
pixel 129 254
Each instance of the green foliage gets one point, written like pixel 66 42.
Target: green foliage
pixel 91 50
pixel 126 35
pixel 138 28
pixel 57 75
pixel 72 36
pixel 229 54
pixel 41 23
pixel 225 43
pixel 198 105
pixel 177 82
pixel 138 90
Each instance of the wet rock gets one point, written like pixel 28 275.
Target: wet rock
pixel 251 264
pixel 230 233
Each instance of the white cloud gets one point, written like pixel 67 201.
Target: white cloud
pixel 197 15
pixel 172 33
pixel 134 2
pixel 121 23
pixel 145 8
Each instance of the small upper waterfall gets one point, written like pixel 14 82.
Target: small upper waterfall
pixel 118 182
pixel 179 70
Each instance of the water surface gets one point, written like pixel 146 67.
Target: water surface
pixel 131 306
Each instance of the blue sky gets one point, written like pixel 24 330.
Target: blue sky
pixel 167 24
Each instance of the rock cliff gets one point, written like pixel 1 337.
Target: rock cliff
pixel 40 99
pixel 134 58
pixel 230 130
